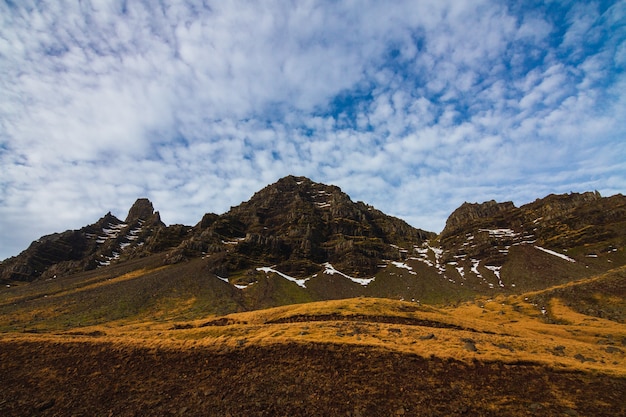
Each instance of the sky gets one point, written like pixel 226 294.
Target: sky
pixel 411 106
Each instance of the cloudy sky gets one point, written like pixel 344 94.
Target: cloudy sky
pixel 411 106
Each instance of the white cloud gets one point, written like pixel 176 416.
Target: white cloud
pixel 413 108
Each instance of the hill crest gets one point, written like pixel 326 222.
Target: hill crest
pixel 298 240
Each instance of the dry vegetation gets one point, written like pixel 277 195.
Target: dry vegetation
pixel 530 354
pixel 504 329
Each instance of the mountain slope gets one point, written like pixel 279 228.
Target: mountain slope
pixel 552 240
pixel 273 307
pixel 354 356
pixel 298 241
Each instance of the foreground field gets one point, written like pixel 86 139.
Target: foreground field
pixel 549 352
pixel 291 379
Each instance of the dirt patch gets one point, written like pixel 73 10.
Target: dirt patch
pixel 367 318
pixel 223 321
pixel 100 378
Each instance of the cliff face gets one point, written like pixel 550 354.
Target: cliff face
pixel 560 205
pixel 99 244
pixel 299 224
pixel 470 213
pixel 328 246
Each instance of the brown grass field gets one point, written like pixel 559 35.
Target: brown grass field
pixel 509 356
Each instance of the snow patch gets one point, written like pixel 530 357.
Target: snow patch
pixel 500 232
pixel 551 252
pixel 268 269
pixel 423 257
pixel 475 263
pixel 404 266
pixel 243 287
pixel 496 272
pixel 461 271
pixel 330 270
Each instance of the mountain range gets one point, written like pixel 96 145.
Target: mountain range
pixel 302 302
pixel 297 240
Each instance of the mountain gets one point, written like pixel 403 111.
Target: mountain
pixel 297 225
pixel 549 241
pixel 300 301
pixel 96 245
pixel 297 240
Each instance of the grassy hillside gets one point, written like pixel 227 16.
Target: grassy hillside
pixel 155 343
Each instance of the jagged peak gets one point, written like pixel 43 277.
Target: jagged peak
pixel 293 179
pixel 291 189
pixel 297 184
pixel 141 209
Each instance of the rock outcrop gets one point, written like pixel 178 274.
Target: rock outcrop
pixel 329 246
pixel 99 244
pixel 141 210
pixel 470 213
pixel 299 224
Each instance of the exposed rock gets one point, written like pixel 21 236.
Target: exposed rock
pixel 99 244
pixel 556 205
pixel 478 238
pixel 469 344
pixel 582 358
pixel 299 224
pixel 141 210
pixel 470 212
pixel 558 350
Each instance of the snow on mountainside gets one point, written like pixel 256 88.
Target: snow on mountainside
pixel 320 244
pixel 97 245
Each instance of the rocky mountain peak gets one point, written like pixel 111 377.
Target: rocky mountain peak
pixel 468 213
pixel 299 224
pixel 142 209
pixel 555 205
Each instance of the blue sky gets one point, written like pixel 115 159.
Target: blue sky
pixel 411 106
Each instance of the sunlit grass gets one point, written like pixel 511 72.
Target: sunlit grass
pixel 505 329
pixel 497 329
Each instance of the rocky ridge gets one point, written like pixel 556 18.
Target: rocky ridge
pixel 298 225
pixel 328 246
pixel 97 245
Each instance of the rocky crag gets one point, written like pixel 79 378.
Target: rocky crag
pixel 108 240
pixel 315 240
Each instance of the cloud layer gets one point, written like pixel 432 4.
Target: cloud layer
pixel 413 108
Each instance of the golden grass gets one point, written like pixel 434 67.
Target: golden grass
pixel 500 330
pixel 507 329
